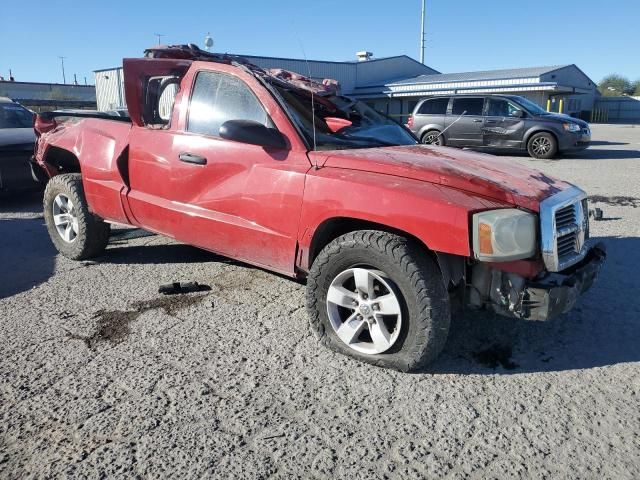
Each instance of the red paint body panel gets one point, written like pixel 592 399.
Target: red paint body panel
pixel 98 143
pixel 264 206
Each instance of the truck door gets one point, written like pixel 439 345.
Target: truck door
pixel 503 124
pixel 233 198
pixel 464 124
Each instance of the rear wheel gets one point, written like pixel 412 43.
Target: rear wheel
pixel 379 297
pixel 432 137
pixel 75 232
pixel 542 145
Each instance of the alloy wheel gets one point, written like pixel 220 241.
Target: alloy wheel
pixel 364 310
pixel 65 218
pixel 541 145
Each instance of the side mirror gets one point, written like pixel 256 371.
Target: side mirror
pixel 518 114
pixel 254 133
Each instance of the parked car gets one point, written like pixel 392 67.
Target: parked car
pixel 16 147
pixel 497 122
pixel 278 171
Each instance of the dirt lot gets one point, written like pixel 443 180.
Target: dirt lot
pixel 100 375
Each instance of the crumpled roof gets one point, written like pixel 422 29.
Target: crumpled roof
pixel 192 52
pixel 328 86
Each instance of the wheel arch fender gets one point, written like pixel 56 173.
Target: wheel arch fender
pixel 429 127
pixel 539 129
pixel 334 204
pixel 58 160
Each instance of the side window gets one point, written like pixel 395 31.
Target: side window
pixel 501 108
pixel 468 106
pixel 159 95
pixel 165 103
pixel 217 98
pixel 435 106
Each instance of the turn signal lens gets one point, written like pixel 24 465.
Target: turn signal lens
pixel 484 239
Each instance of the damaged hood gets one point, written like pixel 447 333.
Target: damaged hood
pixel 472 172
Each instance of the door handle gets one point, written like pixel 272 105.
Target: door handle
pixel 477 120
pixel 191 158
pixel 491 121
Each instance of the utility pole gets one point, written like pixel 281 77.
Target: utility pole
pixel 159 35
pixel 64 79
pixel 422 32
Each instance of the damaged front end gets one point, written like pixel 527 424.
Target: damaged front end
pixel 544 297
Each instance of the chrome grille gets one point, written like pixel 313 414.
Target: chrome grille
pixel 564 228
pixel 565 216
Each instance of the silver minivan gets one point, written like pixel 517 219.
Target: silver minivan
pixel 497 122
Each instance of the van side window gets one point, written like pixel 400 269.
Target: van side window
pixel 501 108
pixel 470 106
pixel 217 98
pixel 434 106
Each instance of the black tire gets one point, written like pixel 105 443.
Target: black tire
pixel 93 233
pixel 432 137
pixel 423 299
pixel 542 145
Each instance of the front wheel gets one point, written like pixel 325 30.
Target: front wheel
pixel 76 233
pixel 542 145
pixel 379 298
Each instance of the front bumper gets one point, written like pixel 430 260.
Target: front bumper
pixel 539 299
pixel 571 142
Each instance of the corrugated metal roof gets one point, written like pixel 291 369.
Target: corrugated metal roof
pixel 481 75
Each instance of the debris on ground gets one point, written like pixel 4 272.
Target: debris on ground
pixel 596 213
pixel 182 287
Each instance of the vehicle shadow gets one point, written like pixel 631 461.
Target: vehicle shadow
pixel 602 330
pixel 602 154
pixel 27 256
pixel 154 254
pixel 587 154
pixel 605 142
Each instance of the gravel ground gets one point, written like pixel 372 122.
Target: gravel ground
pixel 101 376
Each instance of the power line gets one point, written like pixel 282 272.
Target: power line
pixel 64 79
pixel 422 32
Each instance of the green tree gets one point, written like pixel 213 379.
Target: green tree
pixel 636 88
pixel 615 85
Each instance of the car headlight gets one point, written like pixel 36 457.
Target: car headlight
pixel 571 127
pixel 503 235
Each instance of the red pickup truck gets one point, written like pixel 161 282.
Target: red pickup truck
pixel 283 172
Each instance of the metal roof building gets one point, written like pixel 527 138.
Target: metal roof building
pixel 539 84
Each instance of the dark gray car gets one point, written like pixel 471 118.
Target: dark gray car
pixel 497 122
pixel 16 147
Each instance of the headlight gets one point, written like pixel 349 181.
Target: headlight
pixel 503 235
pixel 571 127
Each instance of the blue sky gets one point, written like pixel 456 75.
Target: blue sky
pixel 600 37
